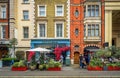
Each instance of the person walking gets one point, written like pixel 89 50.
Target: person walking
pixel 81 60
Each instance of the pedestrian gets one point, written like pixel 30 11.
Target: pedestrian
pixel 81 60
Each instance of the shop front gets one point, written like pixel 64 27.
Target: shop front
pixel 52 44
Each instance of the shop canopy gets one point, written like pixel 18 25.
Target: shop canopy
pixel 39 49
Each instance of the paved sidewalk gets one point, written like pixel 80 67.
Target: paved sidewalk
pixel 67 72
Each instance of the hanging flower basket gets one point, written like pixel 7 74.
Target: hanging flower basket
pixel 19 68
pixel 54 69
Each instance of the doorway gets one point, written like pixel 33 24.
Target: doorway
pixel 76 58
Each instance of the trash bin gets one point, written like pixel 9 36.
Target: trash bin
pixel 0 63
pixel 67 61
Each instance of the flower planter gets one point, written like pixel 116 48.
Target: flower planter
pixel 95 68
pixel 54 69
pixel 19 68
pixel 112 68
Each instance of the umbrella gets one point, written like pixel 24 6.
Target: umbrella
pixel 39 49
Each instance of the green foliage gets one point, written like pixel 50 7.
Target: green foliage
pixel 53 63
pixel 15 64
pixel 42 58
pixel 21 63
pixel 20 55
pixel 96 62
pixel 8 59
pixel 41 67
pixel 103 53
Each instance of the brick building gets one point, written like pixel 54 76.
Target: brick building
pixel 86 26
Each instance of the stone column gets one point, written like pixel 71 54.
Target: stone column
pixel 108 27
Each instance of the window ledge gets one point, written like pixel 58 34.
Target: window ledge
pixel 25 20
pixel 26 3
pixel 92 38
pixel 25 39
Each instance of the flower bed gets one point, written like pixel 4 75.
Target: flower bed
pixel 19 68
pixel 54 69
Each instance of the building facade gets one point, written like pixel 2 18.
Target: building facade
pixel 4 27
pixel 51 24
pixel 24 23
pixel 112 22
pixel 86 26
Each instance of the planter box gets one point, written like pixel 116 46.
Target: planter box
pixel 19 68
pixel 112 68
pixel 95 68
pixel 54 69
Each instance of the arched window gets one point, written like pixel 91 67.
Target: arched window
pixel 76 47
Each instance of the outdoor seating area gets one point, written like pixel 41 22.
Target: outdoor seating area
pixel 105 60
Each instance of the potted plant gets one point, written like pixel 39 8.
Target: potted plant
pixel 95 64
pixel 54 66
pixel 32 66
pixel 19 66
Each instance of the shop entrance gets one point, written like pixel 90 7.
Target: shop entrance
pixel 76 58
pixel 3 51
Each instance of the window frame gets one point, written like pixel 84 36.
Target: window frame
pixel 3 31
pixel 87 8
pixel 26 14
pixel 39 10
pixel 89 30
pixel 3 15
pixel 25 2
pixel 38 29
pixel 56 29
pixel 25 33
pixel 62 14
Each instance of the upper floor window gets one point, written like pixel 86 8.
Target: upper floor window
pixel 25 1
pixel 93 30
pixel 3 32
pixel 92 10
pixel 25 15
pixel 42 11
pixel 76 13
pixel 59 30
pixel 76 31
pixel 26 32
pixel 3 11
pixel 59 10
pixel 42 30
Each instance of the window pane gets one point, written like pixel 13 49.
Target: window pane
pixel 89 10
pixel 26 32
pixel 85 11
pixel 25 15
pixel 89 30
pixel 59 11
pixel 3 12
pixel 25 1
pixel 76 32
pixel 3 32
pixel 97 30
pixel 93 30
pixel 84 30
pixel 42 10
pixel 97 10
pixel 76 13
pixel 93 11
pixel 42 30
pixel 59 30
